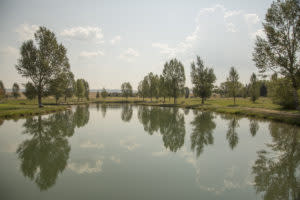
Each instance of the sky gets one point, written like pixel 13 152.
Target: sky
pixel 110 42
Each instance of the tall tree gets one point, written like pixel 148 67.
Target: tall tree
pixel 16 90
pixel 42 62
pixel 278 51
pixel 80 89
pixel 202 79
pixel 186 92
pixel 126 89
pixel 254 88
pixel 2 90
pixel 104 93
pixel 233 83
pixel 163 87
pixel 174 75
pixel 97 94
pixel 86 89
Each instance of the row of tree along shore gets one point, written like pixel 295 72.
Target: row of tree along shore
pixel 45 63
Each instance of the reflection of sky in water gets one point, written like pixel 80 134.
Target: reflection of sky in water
pixel 144 157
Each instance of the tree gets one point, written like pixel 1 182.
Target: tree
pixel 254 88
pixel 233 83
pixel 202 79
pixel 97 94
pixel 2 90
pixel 57 86
pixel 80 89
pixel 163 87
pixel 104 93
pixel 186 92
pixel 30 91
pixel 16 90
pixel 126 89
pixel 278 51
pixel 281 92
pixel 143 88
pixel 69 86
pixel 263 90
pixel 174 75
pixel 86 89
pixel 42 62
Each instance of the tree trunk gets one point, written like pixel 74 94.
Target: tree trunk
pixel 164 99
pixel 234 100
pixel 40 100
pixel 202 101
pixel 174 100
pixel 143 98
pixel 151 98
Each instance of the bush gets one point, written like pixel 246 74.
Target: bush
pixel 281 92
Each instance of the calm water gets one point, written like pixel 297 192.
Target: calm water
pixel 129 152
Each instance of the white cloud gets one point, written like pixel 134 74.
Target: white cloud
pixel 90 54
pixel 26 31
pixel 129 55
pixel 89 144
pixel 230 27
pixel 115 39
pixel 84 33
pixel 232 13
pixel 9 50
pixel 251 18
pixel 85 167
pixel 129 143
pixel 199 33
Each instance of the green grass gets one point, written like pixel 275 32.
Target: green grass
pixel 263 108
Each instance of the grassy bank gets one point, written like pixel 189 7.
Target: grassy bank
pixel 263 108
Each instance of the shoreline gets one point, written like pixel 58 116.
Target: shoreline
pixel 255 112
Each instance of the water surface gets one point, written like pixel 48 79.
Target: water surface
pixel 137 152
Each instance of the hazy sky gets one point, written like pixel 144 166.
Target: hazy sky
pixel 110 42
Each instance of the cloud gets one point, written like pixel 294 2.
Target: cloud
pixel 230 27
pixel 202 30
pixel 129 55
pixel 251 18
pixel 81 168
pixel 129 143
pixel 161 153
pixel 90 54
pixel 26 31
pixel 84 33
pixel 89 144
pixel 115 39
pixel 9 50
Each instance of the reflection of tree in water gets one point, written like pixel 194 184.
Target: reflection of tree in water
pixel 45 155
pixel 169 121
pixel 277 173
pixel 81 115
pixel 202 132
pixel 253 127
pixel 103 109
pixel 126 112
pixel 232 135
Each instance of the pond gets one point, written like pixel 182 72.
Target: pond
pixel 131 152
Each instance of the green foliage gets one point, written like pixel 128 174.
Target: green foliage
pixel 202 79
pixel 126 89
pixel 80 88
pixel 254 88
pixel 86 89
pixel 186 92
pixel 104 93
pixel 15 90
pixel 233 83
pixel 97 94
pixel 2 90
pixel 42 62
pixel 279 51
pixel 281 92
pixel 30 91
pixel 174 77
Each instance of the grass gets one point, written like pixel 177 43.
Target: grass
pixel 263 108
